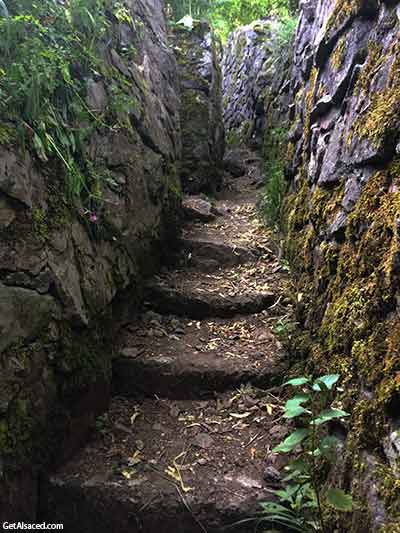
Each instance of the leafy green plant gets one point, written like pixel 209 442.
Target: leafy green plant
pixel 286 28
pixel 273 195
pixel 101 423
pixel 48 52
pixel 226 15
pixel 285 265
pixel 302 502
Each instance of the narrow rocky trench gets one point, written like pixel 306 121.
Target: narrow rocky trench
pixel 186 444
pixel 135 116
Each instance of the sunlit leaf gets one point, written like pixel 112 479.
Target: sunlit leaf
pixel 186 21
pixel 297 382
pixel 294 411
pixel 328 381
pixel 240 415
pixel 127 474
pixel 327 415
pixel 298 399
pixel 292 441
pixel 293 406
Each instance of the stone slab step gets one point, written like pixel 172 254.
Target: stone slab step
pixel 196 208
pixel 168 300
pixel 242 289
pixel 170 467
pixel 239 225
pixel 210 255
pixel 181 358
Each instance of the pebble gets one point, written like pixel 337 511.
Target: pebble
pixel 203 440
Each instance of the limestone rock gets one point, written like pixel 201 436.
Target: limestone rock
pixel 196 208
pixel 23 314
pixel 64 266
pixel 234 163
pixel 342 173
pixel 18 177
pixel 97 96
pixel 340 99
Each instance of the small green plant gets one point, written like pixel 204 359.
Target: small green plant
pixel 275 183
pixel 101 423
pixel 284 329
pixel 274 192
pixel 285 265
pixel 232 138
pixel 285 32
pixel 40 225
pixel 122 14
pixel 302 502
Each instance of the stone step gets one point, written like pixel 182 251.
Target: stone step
pixel 241 289
pixel 238 228
pixel 170 467
pixel 168 300
pixel 196 208
pixel 207 255
pixel 182 359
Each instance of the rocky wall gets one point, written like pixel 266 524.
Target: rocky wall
pixel 63 267
pixel 203 139
pixel 255 84
pixel 342 232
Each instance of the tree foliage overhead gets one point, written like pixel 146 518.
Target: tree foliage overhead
pixel 226 15
pixel 195 8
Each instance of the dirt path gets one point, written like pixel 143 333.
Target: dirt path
pixel 186 444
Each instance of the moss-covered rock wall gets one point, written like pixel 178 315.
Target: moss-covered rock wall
pixel 65 261
pixel 340 103
pixel 197 51
pixel 342 232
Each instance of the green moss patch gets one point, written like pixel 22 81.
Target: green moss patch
pixel 382 116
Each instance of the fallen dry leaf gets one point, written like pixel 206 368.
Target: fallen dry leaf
pixel 240 415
